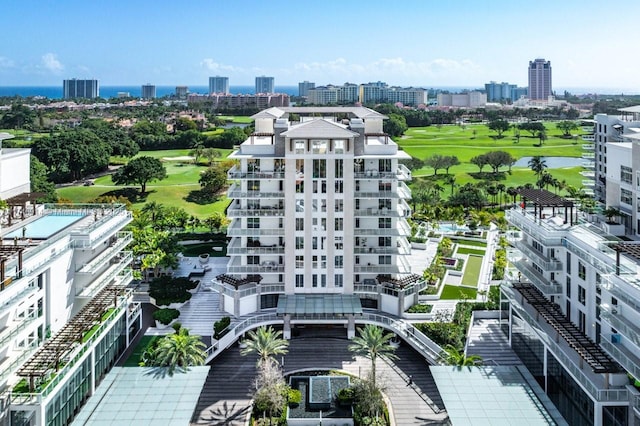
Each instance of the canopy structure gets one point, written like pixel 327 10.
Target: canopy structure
pixel 319 304
pixel 542 198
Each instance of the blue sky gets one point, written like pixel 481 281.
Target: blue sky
pixel 405 42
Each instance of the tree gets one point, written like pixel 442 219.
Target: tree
pixel 41 183
pixel 450 161
pixel 413 164
pixel 231 137
pixel 497 159
pixel 197 152
pixel 436 161
pixel 567 127
pixel 213 179
pixel 271 389
pixel 610 213
pixel 480 161
pixel 179 351
pixel 395 126
pixel 532 127
pixel 538 165
pixel 499 126
pixel 373 343
pixel 140 170
pixel 210 154
pixel 542 136
pixel 450 180
pixel 452 356
pixel 216 221
pixel 266 343
pixel 184 123
pixel 18 117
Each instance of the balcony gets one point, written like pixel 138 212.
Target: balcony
pixel 235 230
pixel 250 212
pixel 401 249
pixel 111 274
pixel 13 330
pixel 590 183
pixel 614 316
pixel 622 355
pixel 234 174
pixel 546 286
pixel 588 164
pixel 588 173
pixel 589 138
pixel 401 230
pixel 379 269
pixel 546 233
pixel 237 248
pixel 124 238
pixel 588 155
pixel 546 263
pixel 588 146
pixel 264 267
pixel 235 191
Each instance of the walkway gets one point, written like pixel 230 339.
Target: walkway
pixel 225 398
pixel 487 340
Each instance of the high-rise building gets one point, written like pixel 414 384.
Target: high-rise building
pixel 319 218
pixel 304 86
pixel 67 314
pixel 219 85
pixel 182 92
pixel 148 91
pixel 540 87
pixel 500 92
pixel 265 85
pixel 74 88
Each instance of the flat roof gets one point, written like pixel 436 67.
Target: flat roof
pixel 635 108
pixel 144 396
pixel 304 304
pixel 494 395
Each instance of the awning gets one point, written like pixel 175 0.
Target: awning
pixel 307 304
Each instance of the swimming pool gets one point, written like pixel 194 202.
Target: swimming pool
pixel 44 227
pixel 451 228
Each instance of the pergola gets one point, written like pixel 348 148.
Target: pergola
pixel 399 282
pixel 629 248
pixel 542 198
pixel 49 356
pixel 6 252
pixel 237 282
pixel 21 200
pixel 587 349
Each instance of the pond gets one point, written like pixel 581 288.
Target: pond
pixel 553 162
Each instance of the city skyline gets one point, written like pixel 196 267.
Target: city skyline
pixel 466 44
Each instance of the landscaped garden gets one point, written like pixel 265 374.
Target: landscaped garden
pixel 472 271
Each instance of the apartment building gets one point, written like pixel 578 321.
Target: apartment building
pixel 148 91
pixel 462 100
pixel 616 159
pixel 539 75
pixel 75 88
pixel 265 85
pixel 304 87
pixel 571 310
pixel 65 312
pixel 219 84
pixel 318 219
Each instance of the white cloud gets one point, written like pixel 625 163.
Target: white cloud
pixel 6 62
pixel 211 65
pixel 50 62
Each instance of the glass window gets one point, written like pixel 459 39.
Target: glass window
pixel 338 147
pixel 338 261
pixel 300 146
pixel 314 281
pixel 323 280
pixel 582 271
pixel 582 294
pixel 253 185
pixel 339 223
pixel 299 243
pixel 299 224
pixel 299 280
pixel 253 260
pixel 626 196
pixel 384 260
pixel 253 222
pixel 338 205
pixel 319 169
pixel 319 146
pixel 299 262
pixel 384 222
pixel 626 175
pixel 338 280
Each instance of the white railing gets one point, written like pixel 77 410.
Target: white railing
pixel 124 238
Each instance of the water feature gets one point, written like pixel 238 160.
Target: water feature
pixel 552 162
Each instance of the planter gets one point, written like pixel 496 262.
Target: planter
pixel 176 305
pixel 204 258
pixel 161 326
pixel 419 246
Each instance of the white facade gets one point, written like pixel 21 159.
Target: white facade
pixel 462 100
pixel 576 267
pixel 14 171
pixel 319 207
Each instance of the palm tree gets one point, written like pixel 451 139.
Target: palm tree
pixel 156 210
pixel 538 165
pixel 450 180
pixel 452 356
pixel 372 343
pixel 180 350
pixel 266 342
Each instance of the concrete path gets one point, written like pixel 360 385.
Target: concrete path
pixel 225 399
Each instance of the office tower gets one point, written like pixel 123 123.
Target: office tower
pixel 219 85
pixel 182 92
pixel 540 80
pixel 265 84
pixel 319 214
pixel 74 88
pixel 148 91
pixel 304 86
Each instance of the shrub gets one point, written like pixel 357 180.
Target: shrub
pixel 166 315
pixel 167 290
pixel 420 309
pixel 220 328
pixel 294 397
pixel 346 396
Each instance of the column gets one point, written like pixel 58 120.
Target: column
pixel 351 326
pixel 286 327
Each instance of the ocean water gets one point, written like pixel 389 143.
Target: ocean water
pixel 53 92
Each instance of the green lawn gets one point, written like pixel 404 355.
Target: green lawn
pixel 193 250
pixel 422 142
pixel 454 292
pixel 174 191
pixel 466 242
pixel 472 271
pixel 136 356
pixel 465 250
pixel 236 119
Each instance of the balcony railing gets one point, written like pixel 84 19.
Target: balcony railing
pixel 237 248
pixel 13 330
pixel 588 182
pixel 544 262
pixel 588 155
pixel 614 316
pixel 109 275
pixel 588 173
pixel 238 231
pixel 235 191
pixel 234 173
pixel 124 239
pixel 590 138
pixel 588 146
pixel 262 212
pixel 548 234
pixel 380 269
pixel 629 362
pixel 547 287
pixel 255 269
